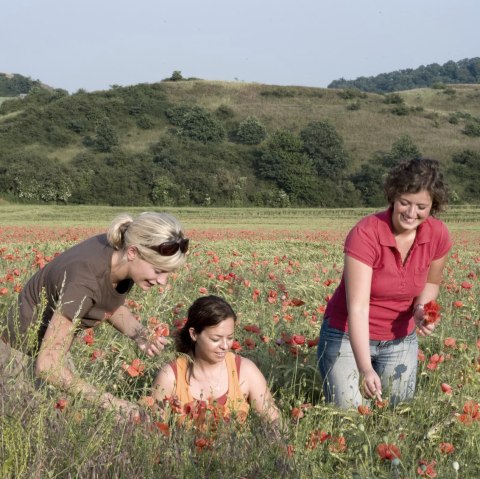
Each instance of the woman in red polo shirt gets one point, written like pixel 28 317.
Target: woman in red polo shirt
pixel 393 265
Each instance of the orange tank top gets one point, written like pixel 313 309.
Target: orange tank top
pixel 233 401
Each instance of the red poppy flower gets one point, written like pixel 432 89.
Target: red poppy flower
pixel 311 343
pixel 364 410
pixel 297 413
pixel 446 447
pixel 61 404
pixel 472 409
pixel 431 311
pixel 163 427
pixel 338 444
pixel 202 443
pixel 161 330
pixel 388 451
pixel 466 285
pixel 317 437
pixel 427 469
pixel 236 346
pixel 203 290
pixel 96 354
pixel 297 302
pixel 252 328
pixel 458 304
pixel 89 337
pixel 381 403
pixel 450 342
pixel 298 339
pixel 249 343
pixel 446 388
pixel 135 369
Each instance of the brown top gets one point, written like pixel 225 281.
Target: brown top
pixel 76 283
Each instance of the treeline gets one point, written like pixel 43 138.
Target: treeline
pixel 15 84
pixel 199 156
pixel 464 71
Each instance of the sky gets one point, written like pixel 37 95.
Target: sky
pixel 94 44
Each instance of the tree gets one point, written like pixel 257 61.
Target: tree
pixel 324 146
pixel 465 173
pixel 106 136
pixel 284 162
pixel 402 150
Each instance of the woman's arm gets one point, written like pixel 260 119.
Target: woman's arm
pixel 257 390
pixel 358 279
pixel 51 366
pixel 124 321
pixel 164 384
pixel 429 293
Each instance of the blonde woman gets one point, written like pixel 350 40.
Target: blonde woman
pixel 86 285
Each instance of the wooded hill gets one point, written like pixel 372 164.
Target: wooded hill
pixel 193 142
pixel 464 71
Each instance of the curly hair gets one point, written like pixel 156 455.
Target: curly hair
pixel 416 175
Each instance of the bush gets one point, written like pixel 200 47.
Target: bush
pixel 196 124
pixel 472 128
pixel 251 131
pixel 351 93
pixel 394 99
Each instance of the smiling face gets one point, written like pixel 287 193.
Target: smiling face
pixel 214 342
pixel 410 210
pixel 143 273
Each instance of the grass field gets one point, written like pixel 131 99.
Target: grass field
pixel 259 260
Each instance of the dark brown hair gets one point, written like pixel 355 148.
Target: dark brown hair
pixel 414 176
pixel 204 312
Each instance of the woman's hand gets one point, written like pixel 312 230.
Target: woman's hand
pixel 124 409
pixel 370 385
pixel 423 328
pixel 151 346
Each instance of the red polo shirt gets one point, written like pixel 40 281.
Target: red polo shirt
pixel 394 285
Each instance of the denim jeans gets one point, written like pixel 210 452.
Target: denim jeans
pixel 395 361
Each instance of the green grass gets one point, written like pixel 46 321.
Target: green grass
pixel 300 249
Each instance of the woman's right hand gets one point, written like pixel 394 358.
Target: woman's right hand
pixel 370 385
pixel 124 409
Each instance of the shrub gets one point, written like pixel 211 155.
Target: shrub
pixel 472 128
pixel 351 93
pixel 353 106
pixel 196 124
pixel 251 131
pixel 394 99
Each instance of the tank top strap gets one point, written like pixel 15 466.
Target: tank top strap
pixel 182 389
pixel 236 400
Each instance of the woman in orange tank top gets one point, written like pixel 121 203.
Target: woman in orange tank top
pixel 208 374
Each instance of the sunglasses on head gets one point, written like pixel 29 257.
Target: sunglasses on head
pixel 169 248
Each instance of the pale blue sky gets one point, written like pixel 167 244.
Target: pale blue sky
pixel 93 44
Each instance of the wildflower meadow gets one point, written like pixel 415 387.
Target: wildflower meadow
pixel 279 281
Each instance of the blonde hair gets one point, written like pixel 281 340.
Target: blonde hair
pixel 146 230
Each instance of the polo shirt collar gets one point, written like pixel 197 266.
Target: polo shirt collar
pixel 385 229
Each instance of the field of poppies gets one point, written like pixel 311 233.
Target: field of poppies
pixel 278 281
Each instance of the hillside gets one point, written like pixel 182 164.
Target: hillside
pixel 231 144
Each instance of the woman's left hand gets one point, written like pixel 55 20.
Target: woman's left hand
pixel 152 346
pixel 423 328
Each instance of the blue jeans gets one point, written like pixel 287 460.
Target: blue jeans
pixel 395 361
